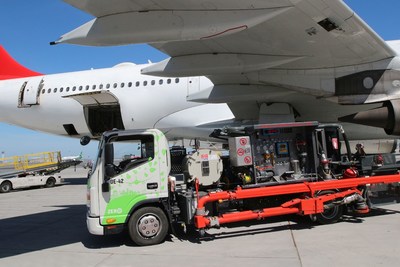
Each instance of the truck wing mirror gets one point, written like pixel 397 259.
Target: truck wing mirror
pixel 105 187
pixel 110 171
pixel 85 140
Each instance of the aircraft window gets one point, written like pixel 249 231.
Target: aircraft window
pixel 115 85
pixel 169 81
pixel 160 81
pixel 153 82
pixel 61 90
pixel 108 85
pixel 94 87
pixel 55 90
pixel 137 84
pixel 43 91
pixel 177 80
pixel 122 85
pixel 49 91
pixel 145 83
pixel 67 89
pixel 100 86
pixel 87 87
pixel 129 84
pixel 80 88
pixel 74 88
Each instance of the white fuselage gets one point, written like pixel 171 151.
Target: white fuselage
pixel 90 102
pixel 144 101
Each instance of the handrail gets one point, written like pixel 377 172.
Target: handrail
pixel 31 161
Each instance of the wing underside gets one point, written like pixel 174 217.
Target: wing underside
pixel 285 34
pixel 256 51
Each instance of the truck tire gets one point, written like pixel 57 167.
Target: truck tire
pixel 331 215
pixel 51 182
pixel 148 226
pixel 5 187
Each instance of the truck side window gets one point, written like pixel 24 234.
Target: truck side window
pixel 131 152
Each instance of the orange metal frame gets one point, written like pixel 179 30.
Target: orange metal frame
pixel 310 204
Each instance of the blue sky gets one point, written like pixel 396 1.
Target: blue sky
pixel 27 27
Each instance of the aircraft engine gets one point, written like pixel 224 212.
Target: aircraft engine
pixel 386 117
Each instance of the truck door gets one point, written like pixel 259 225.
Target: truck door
pixel 30 92
pixel 132 175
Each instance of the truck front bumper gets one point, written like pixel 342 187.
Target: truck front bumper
pixel 93 225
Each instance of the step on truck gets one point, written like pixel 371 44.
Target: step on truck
pixel 140 184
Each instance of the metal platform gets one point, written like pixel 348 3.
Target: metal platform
pixel 43 162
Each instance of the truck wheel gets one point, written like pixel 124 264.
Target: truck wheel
pixel 148 226
pixel 50 182
pixel 330 215
pixel 5 187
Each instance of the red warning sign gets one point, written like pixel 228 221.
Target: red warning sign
pixel 247 160
pixel 240 152
pixel 243 141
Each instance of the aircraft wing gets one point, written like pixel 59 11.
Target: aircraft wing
pixel 250 50
pixel 235 36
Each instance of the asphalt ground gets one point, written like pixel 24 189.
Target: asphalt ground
pixel 47 227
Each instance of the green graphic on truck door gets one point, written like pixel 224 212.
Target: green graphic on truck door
pixel 138 176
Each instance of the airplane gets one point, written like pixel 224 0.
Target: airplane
pixel 73 158
pixel 87 103
pixel 231 63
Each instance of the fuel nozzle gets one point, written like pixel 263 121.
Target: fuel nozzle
pixel 324 165
pixel 324 162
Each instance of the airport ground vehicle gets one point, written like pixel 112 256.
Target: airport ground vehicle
pixel 29 180
pixel 272 169
pixel 31 170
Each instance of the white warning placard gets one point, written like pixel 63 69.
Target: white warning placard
pixel 240 151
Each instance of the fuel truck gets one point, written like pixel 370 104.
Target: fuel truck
pixel 140 184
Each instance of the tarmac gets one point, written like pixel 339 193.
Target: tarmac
pixel 47 227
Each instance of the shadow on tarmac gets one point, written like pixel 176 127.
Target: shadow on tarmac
pixel 228 230
pixel 39 231
pixel 75 181
pixel 67 225
pixel 294 223
pixel 52 229
pixel 359 218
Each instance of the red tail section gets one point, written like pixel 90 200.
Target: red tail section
pixel 11 69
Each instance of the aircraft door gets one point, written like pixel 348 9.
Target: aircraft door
pixel 30 92
pixel 193 85
pixel 102 111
